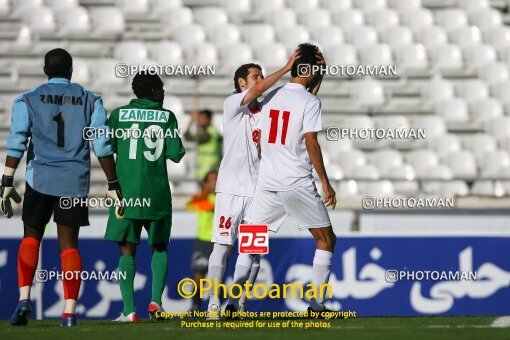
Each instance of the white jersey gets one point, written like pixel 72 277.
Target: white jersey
pixel 241 159
pixel 287 114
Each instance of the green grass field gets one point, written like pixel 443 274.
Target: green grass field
pixel 357 328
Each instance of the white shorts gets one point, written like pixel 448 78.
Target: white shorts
pixel 303 204
pixel 229 212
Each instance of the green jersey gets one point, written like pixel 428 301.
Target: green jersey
pixel 144 136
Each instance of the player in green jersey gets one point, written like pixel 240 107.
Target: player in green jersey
pixel 145 135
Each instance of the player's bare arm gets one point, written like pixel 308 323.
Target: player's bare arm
pixel 315 154
pixel 262 86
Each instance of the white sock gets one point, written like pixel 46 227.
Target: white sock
pixel 24 293
pixel 254 272
pixel 217 264
pixel 241 274
pixel 70 306
pixel 321 271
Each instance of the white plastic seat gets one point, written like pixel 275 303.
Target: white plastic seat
pixel 473 5
pixel 73 21
pixel 130 7
pixel 335 172
pixel 336 5
pixel 479 55
pixel 386 159
pixel 39 20
pixel 280 18
pixel 131 52
pixel 447 57
pixel 104 76
pixel 417 19
pixel 412 56
pixel 58 4
pixel 479 144
pixel 315 18
pixel 348 160
pixel 434 125
pixel 493 162
pixel 486 19
pixel 81 72
pixel 175 18
pixel 381 19
pixel 369 5
pixel 225 34
pixel 367 92
pixel 376 188
pixel 303 5
pixel 258 34
pixel 174 104
pixel 107 21
pixel 502 91
pixel 158 6
pixel 466 36
pixel 391 122
pixel 499 128
pixel 378 54
pixel 268 6
pixel 446 189
pixel 343 54
pixel 236 7
pixel 494 73
pixel 404 5
pixel 487 188
pixel 486 109
pixel 498 36
pixel 473 90
pixel 209 17
pixel 275 59
pixel 451 19
pixel 406 187
pixel 236 54
pixel 347 189
pixel 365 172
pixel 444 144
pixel 421 159
pixel 399 172
pixel 347 19
pixel 189 35
pixel 21 6
pixel 437 172
pixel 453 110
pixel 362 36
pixel 202 54
pixel 328 36
pixel 462 163
pixel 176 170
pixel 291 37
pixel 166 52
pixel 397 36
pixel 432 37
pixel 437 89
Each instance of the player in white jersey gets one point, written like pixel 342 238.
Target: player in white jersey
pixel 289 121
pixel 238 172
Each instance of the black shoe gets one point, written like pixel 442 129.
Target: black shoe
pixel 325 314
pixel 231 313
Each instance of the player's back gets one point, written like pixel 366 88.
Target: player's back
pixel 288 113
pixel 58 156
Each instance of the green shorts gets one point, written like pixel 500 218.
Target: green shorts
pixel 129 230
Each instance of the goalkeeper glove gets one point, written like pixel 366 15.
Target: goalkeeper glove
pixel 8 192
pixel 115 193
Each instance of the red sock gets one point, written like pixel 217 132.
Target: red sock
pixel 28 256
pixel 71 261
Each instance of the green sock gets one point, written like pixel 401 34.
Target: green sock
pixel 159 267
pixel 127 265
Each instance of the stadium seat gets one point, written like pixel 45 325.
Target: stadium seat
pixel 39 20
pixel 21 6
pixel 189 35
pixel 334 172
pixel 487 188
pixel 417 19
pixel 462 163
pixel 432 37
pixel 453 110
pixel 350 159
pixel 158 6
pixel 202 54
pixel 328 36
pixel 276 59
pixel 382 19
pixel 187 188
pixel 176 171
pixel 210 17
pixel 175 18
pixel 107 21
pixel 58 4
pixel 479 55
pixel 446 189
pixel 399 172
pixel 137 8
pixel 444 144
pixel 406 188
pixel 486 19
pixel 397 36
pixel 166 52
pixel 493 162
pixel 434 125
pixel 498 36
pixel 348 18
pixel 336 5
pixel 437 89
pixel 315 18
pixel 131 52
pixel 479 144
pixel 376 188
pixel 362 36
pixel 502 91
pixel 257 34
pixel 264 7
pixel 292 36
pixel 473 5
pixel 174 104
pixel 369 5
pixel 451 19
pixel 378 54
pixel 386 159
pixel 447 57
pixel 235 7
pixel 466 36
pixel 499 128
pixel 103 74
pixel 236 54
pixel 473 90
pixel 302 5
pixel 73 21
pixel 225 34
pixel 486 109
pixel 412 56
pixel 421 159
pixel 367 92
pixel 281 18
pixel 434 172
pixel 494 73
pixel 343 54
pixel 365 172
pixel 404 5
pixel 81 72
pixel 347 189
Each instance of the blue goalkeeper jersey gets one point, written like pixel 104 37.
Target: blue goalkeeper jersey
pixel 48 123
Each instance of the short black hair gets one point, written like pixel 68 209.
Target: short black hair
pixel 242 72
pixel 307 56
pixel 206 112
pixel 58 63
pixel 144 83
